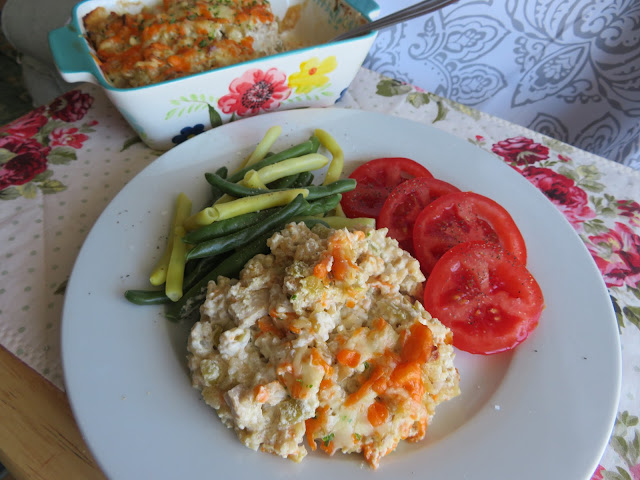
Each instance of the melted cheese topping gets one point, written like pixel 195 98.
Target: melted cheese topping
pixel 180 37
pixel 323 339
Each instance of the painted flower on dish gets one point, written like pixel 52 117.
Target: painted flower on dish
pixel 67 137
pixel 312 74
pixel 71 107
pixel 28 125
pixel 188 132
pixel 563 192
pixel 520 150
pixel 617 254
pixel 27 158
pixel 254 91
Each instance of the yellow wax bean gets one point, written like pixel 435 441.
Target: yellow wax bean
pixel 263 147
pixel 344 222
pixel 292 166
pixel 182 211
pixel 204 217
pixel 255 203
pixel 252 180
pixel 338 212
pixel 337 162
pixel 175 272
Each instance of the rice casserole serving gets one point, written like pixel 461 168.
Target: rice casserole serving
pixel 323 339
pixel 181 37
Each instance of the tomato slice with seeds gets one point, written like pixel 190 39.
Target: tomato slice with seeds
pixel 376 179
pixel 404 204
pixel 463 217
pixel 488 299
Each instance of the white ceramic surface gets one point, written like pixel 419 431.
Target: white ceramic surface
pixel 125 367
pixel 165 113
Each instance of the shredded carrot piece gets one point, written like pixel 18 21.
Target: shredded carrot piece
pixel 418 346
pixel 379 323
pixel 265 324
pixel 409 376
pixel 348 358
pixel 261 393
pixel 321 270
pixel 312 425
pixel 355 397
pixel 377 413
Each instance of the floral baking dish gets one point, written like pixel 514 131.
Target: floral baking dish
pixel 167 113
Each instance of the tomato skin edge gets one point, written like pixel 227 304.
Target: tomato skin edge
pixel 373 186
pixel 528 307
pixel 431 239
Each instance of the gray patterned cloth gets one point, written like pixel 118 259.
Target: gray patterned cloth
pixel 568 69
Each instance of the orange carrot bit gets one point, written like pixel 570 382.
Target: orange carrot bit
pixel 294 329
pixel 359 234
pixel 377 413
pixel 348 358
pixel 377 373
pixel 312 425
pixel 261 393
pixel 409 376
pixel 327 446
pixel 379 323
pixel 350 303
pixel 266 325
pixel 298 389
pixel 322 268
pixel 418 346
pixel 318 359
pixel 326 383
pixel 448 338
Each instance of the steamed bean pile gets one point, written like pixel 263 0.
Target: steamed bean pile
pixel 247 207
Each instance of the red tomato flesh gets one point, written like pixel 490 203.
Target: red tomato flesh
pixel 463 217
pixel 376 179
pixel 404 204
pixel 485 296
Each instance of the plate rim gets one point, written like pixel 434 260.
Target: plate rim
pixel 203 138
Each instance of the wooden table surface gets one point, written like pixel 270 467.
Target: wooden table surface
pixel 39 438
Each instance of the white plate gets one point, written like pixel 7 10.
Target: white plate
pixel 543 411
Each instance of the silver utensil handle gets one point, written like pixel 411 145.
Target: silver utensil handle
pixel 417 10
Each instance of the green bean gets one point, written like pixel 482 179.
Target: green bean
pixel 201 267
pixel 315 191
pixel 304 179
pixel 229 267
pixel 225 227
pixel 216 193
pixel 229 242
pixel 304 148
pixel 146 297
pixel 322 205
pixel 284 182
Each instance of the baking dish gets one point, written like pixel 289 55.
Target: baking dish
pixel 167 113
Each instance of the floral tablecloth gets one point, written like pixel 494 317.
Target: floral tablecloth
pixel 61 164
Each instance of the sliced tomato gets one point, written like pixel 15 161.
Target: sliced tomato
pixel 376 179
pixel 488 299
pixel 404 204
pixel 463 217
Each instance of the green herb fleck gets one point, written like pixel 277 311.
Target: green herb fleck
pixel 358 436
pixel 366 365
pixel 293 297
pixel 202 44
pixel 327 439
